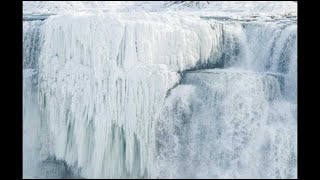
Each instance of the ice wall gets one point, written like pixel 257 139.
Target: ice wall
pixel 102 82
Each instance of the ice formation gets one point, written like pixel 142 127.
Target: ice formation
pixel 124 95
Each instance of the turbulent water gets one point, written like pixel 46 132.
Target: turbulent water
pixel 131 95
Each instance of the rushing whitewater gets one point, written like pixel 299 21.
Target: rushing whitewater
pixel 160 95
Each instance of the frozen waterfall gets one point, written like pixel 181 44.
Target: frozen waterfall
pixel 138 95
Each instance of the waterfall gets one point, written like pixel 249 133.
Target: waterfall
pixel 238 120
pixel 31 119
pixel 227 124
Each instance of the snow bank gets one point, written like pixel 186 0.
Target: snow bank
pixel 57 7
